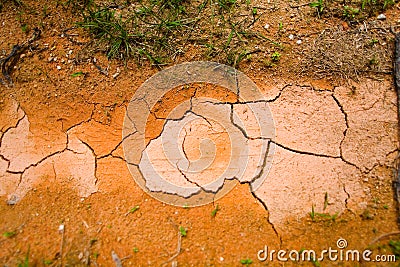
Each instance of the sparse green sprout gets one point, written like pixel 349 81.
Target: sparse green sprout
pixel 386 206
pixel 47 262
pixel 92 241
pixel 373 5
pixel 182 231
pixel 280 26
pixel 327 216
pixel 215 211
pixel 366 215
pixel 44 11
pixel 135 208
pixel 24 27
pixel 387 3
pixel 226 4
pixel 9 234
pixel 319 6
pixel 373 61
pixel 373 41
pixel 254 11
pixel 316 263
pixel 25 263
pixel 276 56
pixel 76 74
pixel 246 262
pixel 395 246
pixel 350 12
pixel 95 255
pixel 312 213
pixel 135 249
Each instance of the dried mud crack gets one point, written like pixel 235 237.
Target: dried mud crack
pixel 345 171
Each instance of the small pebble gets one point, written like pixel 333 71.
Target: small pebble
pixel 381 17
pixel 298 42
pixel 59 67
pixel 291 37
pixel 266 26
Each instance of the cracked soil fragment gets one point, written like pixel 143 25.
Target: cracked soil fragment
pixel 297 182
pixel 28 159
pixel 373 124
pixel 308 120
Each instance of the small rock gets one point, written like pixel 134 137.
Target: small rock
pixel 291 36
pixel 12 200
pixel 59 67
pixel 298 42
pixel 266 26
pixel 50 59
pixel 345 25
pixel 381 17
pixel 23 55
pixel 221 258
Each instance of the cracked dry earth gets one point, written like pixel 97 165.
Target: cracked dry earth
pixel 62 161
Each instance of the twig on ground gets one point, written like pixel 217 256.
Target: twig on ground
pixel 178 248
pixel 116 259
pixel 61 230
pixel 383 236
pixel 397 85
pixel 8 63
pixel 301 5
pixel 102 71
